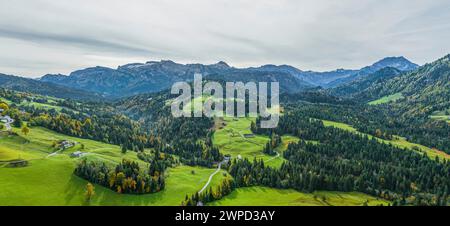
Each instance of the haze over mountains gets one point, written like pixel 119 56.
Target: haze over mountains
pixel 44 88
pixel 153 76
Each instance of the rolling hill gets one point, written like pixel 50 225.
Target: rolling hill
pixel 426 89
pixel 43 88
pixel 361 84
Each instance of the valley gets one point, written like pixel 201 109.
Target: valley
pixel 356 142
pixel 23 185
pixel 50 180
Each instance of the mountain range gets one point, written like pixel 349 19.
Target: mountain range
pixel 44 88
pixel 154 76
pixel 362 83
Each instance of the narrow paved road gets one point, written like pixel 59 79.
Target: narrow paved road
pixel 278 155
pixel 52 154
pixel 213 174
pixel 8 122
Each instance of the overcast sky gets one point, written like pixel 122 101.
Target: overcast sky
pixel 47 36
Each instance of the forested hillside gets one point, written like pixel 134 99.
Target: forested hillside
pixel 426 89
pixel 326 141
pixel 360 85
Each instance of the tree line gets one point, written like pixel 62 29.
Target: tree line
pixel 344 161
pixel 127 177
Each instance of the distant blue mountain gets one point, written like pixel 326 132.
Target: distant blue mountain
pixel 340 76
pixel 399 63
pixel 153 76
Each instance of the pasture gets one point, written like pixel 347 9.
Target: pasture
pixel 398 141
pixel 231 140
pixel 387 99
pixel 263 196
pixel 49 180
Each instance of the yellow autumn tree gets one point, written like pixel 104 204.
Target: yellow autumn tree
pixel 378 133
pixel 4 106
pixel 25 130
pixel 90 191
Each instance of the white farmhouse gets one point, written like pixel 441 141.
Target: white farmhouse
pixel 77 154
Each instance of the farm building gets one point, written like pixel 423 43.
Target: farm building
pixel 18 163
pixel 249 135
pixel 6 119
pixel 77 154
pixel 66 144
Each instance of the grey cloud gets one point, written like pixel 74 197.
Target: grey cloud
pixel 312 35
pixel 40 37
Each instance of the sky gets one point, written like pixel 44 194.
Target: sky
pixel 47 36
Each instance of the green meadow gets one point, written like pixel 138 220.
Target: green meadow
pixel 49 179
pixel 51 103
pixel 387 99
pixel 5 100
pixel 262 196
pixel 441 115
pixel 231 140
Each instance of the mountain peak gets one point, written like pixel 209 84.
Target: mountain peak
pixel 52 77
pixel 283 67
pixel 221 64
pixel 447 57
pixel 168 62
pixel 399 62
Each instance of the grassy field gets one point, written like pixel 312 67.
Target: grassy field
pixel 441 115
pixel 51 103
pixel 47 106
pixel 387 99
pixel 230 139
pixel 5 100
pixel 38 143
pixel 398 141
pixel 263 196
pixel 50 180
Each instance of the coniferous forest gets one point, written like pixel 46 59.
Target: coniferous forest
pixel 326 140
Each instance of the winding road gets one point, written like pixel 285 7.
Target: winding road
pixel 213 174
pixel 8 122
pixel 52 154
pixel 277 156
